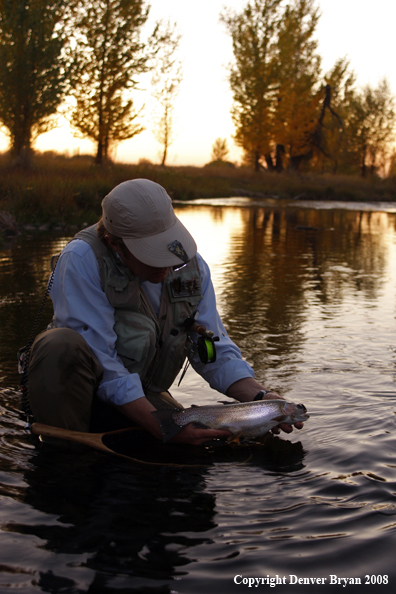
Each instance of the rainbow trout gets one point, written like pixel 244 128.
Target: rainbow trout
pixel 247 419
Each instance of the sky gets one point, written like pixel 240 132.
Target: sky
pixel 361 30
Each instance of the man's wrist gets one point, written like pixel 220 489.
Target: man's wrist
pixel 261 394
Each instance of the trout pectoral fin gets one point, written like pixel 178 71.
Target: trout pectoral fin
pixel 202 425
pixel 234 439
pixel 280 419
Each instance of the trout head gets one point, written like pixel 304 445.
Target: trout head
pixel 297 412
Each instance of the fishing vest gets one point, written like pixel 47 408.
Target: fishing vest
pixel 154 347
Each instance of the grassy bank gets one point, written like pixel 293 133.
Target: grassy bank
pixel 61 190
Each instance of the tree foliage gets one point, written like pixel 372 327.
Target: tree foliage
pixel 358 125
pixel 274 79
pixel 252 76
pixel 372 125
pixel 34 69
pixel 220 149
pixel 284 111
pixel 297 71
pixel 331 138
pixel 110 56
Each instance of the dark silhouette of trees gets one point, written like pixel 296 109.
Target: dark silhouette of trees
pixel 34 69
pixel 109 56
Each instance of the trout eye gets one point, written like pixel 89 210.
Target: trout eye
pixel 301 407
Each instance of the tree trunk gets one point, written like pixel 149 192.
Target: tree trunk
pixel 295 161
pixel 101 134
pixel 257 162
pixel 363 169
pixel 21 148
pixel 164 155
pixel 99 153
pixel 269 161
pixel 280 151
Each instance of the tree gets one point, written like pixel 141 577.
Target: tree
pixel 110 55
pixel 220 149
pixel 252 76
pixel 372 125
pixel 166 81
pixel 297 72
pixel 34 69
pixel 331 138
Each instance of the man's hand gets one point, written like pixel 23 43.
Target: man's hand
pixel 140 412
pixel 198 435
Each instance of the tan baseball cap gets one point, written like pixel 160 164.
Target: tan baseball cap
pixel 141 213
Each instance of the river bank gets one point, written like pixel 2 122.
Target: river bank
pixel 62 191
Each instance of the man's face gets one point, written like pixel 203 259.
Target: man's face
pixel 142 271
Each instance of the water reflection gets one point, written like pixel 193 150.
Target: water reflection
pixel 122 522
pixel 273 267
pixel 270 267
pixel 114 524
pixel 24 272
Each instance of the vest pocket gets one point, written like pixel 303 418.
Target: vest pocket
pixel 171 358
pixel 136 340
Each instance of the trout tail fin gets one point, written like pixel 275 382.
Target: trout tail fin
pixel 164 418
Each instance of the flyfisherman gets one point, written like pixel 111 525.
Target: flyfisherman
pixel 126 293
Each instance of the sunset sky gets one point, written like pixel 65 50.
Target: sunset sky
pixel 362 30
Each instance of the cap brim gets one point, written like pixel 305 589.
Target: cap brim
pixel 153 250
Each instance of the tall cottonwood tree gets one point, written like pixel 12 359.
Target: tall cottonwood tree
pixel 110 55
pixel 252 76
pixel 166 81
pixel 297 75
pixel 33 69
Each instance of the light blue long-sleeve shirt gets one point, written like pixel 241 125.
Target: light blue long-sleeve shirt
pixel 81 304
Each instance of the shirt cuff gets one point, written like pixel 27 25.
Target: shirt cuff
pixel 121 390
pixel 226 375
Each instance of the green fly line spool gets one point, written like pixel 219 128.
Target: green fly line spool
pixel 206 349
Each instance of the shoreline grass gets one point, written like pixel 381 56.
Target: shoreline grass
pixel 61 190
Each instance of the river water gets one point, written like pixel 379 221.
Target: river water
pixel 307 290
